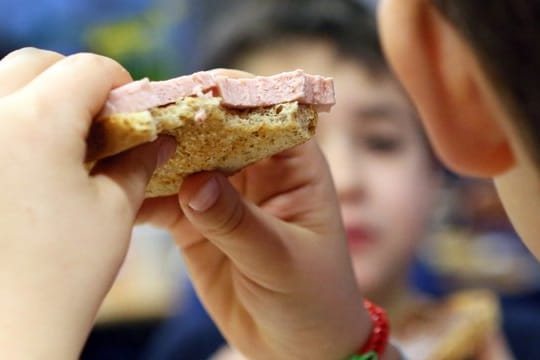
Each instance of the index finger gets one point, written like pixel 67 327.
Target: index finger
pixel 21 66
pixel 75 87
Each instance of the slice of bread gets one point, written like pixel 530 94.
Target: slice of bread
pixel 209 136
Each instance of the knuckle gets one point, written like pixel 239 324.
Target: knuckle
pixel 25 51
pixel 33 52
pixel 229 221
pixel 51 56
pixel 111 67
pixel 87 59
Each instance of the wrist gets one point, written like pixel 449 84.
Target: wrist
pixel 376 346
pixel 37 323
pixel 356 334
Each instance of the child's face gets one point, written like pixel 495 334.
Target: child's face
pixel 383 172
pixel 384 175
pixel 466 118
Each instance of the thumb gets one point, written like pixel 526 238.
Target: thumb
pixel 242 231
pixel 126 175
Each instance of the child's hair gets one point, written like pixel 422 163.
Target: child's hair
pixel 506 36
pixel 346 23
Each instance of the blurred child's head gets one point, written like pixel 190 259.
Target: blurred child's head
pixel 471 68
pixel 385 174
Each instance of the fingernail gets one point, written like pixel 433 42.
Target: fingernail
pixel 206 196
pixel 167 147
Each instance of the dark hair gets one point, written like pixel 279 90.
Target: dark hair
pixel 248 24
pixel 506 36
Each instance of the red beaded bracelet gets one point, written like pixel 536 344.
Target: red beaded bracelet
pixel 380 333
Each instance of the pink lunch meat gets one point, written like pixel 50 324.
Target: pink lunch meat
pixel 238 93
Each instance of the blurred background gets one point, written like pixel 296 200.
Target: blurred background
pixel 472 243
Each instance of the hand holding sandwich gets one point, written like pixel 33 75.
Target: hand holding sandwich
pixel 267 254
pixel 63 232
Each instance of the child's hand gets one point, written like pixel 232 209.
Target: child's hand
pixel 271 265
pixel 63 232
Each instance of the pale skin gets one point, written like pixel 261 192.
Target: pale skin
pixel 260 248
pixel 63 233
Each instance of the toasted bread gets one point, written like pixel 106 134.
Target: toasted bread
pixel 209 136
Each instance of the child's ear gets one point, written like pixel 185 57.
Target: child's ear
pixel 442 76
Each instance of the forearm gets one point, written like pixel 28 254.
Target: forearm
pixel 43 320
pixel 38 332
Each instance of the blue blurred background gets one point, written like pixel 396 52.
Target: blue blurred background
pixel 150 37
